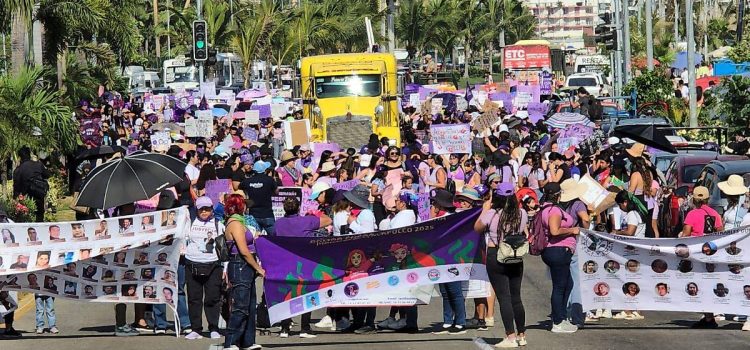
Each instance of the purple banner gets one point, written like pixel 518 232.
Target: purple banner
pixel 216 188
pixel 304 274
pixel 346 185
pixel 264 111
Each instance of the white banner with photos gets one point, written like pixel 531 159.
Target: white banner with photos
pixel 697 274
pixel 123 259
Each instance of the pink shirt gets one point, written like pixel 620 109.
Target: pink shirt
pixel 491 218
pixel 696 218
pixel 567 221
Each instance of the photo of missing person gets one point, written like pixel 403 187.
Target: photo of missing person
pixel 78 232
pixel 108 276
pixel 126 227
pixel 169 219
pixel 55 234
pixel 692 289
pixel 42 259
pixel 84 254
pixel 662 289
pixel 110 290
pixel 141 258
pixel 50 284
pixel 735 268
pixel 70 288
pixel 351 290
pixel 129 275
pixel 149 292
pixel 102 230
pixel 9 240
pixel 601 289
pixel 120 259
pixel 129 290
pixel 147 224
pixel 161 259
pixel 746 290
pixel 659 266
pixel 70 269
pixel 631 289
pixel 732 249
pixel 685 266
pixel 710 267
pixel 21 262
pixel 66 257
pixel 682 251
pixel 168 277
pixel 709 248
pixel 106 250
pixel 33 281
pixel 611 266
pixel 721 291
pixel 590 267
pixel 88 292
pixel 632 266
pixel 89 272
pixel 148 274
pixel 33 237
pixel 168 295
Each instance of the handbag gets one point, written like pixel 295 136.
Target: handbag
pixel 202 269
pixel 512 248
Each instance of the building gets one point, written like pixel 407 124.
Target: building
pixel 566 23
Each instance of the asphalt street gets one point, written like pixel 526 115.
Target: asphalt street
pixel 90 326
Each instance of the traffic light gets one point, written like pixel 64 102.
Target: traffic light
pixel 606 33
pixel 200 45
pixel 211 56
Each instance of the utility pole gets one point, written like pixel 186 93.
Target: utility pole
pixel 691 62
pixel 199 3
pixel 618 68
pixel 677 21
pixel 740 19
pixel 169 37
pixel 391 26
pixel 649 35
pixel 626 38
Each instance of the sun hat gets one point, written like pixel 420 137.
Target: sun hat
pixel 442 198
pixel 318 188
pixel 304 147
pixel 359 196
pixel 571 190
pixel 287 156
pixel 204 202
pixel 636 150
pixel 504 189
pixel 327 166
pixel 700 192
pixel 261 166
pixel 734 186
pixel 469 193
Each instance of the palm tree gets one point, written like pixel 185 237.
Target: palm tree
pixel 20 13
pixel 255 26
pixel 411 26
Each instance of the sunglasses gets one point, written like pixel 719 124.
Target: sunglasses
pixel 393 154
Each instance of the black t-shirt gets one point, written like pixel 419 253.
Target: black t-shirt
pixel 239 176
pixel 260 188
pixel 224 173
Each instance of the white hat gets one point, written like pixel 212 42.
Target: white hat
pixel 327 166
pixel 734 186
pixel 503 127
pixel 613 140
pixel 522 114
pixel 318 188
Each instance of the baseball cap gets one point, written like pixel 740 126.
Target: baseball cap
pixel 261 166
pixel 504 189
pixel 318 188
pixel 700 192
pixel 203 202
pixel 552 188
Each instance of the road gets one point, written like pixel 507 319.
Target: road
pixel 90 326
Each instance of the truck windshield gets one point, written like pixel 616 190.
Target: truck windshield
pixel 582 82
pixel 181 74
pixel 348 85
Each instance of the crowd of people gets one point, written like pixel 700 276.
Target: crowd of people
pixel 516 173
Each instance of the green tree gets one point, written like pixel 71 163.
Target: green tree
pixel 255 27
pixel 651 86
pixel 732 102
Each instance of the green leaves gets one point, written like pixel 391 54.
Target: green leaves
pixel 651 86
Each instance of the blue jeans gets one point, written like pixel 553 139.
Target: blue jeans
pixel 160 310
pixel 575 304
pixel 241 326
pixel 268 224
pixel 278 147
pixel 558 260
pixel 454 309
pixel 45 305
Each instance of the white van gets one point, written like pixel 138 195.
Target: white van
pixel 590 81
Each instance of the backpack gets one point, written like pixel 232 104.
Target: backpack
pixel 262 320
pixel 223 252
pixel 537 234
pixel 596 110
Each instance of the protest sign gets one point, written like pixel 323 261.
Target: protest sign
pixel 160 141
pixel 436 105
pixel 526 94
pixel 318 148
pixel 157 101
pixel 304 274
pixel 696 274
pixel 450 138
pixel 123 259
pixel 208 89
pixel 414 100
pixel 307 203
pixel 191 127
pixel 250 133
pixel 346 185
pixel 147 205
pixel 536 108
pixel 252 117
pixel 297 132
pixel 168 114
pixel 423 206
pixel 205 124
pixel 545 85
pixel 595 192
pixel 215 189
pixel 278 110
pixel 277 201
pixel 484 121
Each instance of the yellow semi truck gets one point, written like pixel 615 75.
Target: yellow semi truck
pixel 347 97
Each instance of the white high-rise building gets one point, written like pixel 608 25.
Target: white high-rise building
pixel 565 23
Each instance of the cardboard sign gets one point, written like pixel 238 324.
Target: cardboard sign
pixel 205 124
pixel 436 106
pixel 486 120
pixel 208 89
pixel 191 127
pixel 252 117
pixel 160 141
pixel 447 139
pixel 215 189
pixel 595 193
pixel 297 132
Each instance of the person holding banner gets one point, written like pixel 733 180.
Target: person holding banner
pixel 501 215
pixel 10 306
pixel 242 270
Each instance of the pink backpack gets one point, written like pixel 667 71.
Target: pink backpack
pixel 539 233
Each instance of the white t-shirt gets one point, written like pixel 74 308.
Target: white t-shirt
pixel 403 218
pixel 745 220
pixel 201 242
pixel 365 222
pixel 632 218
pixel 685 91
pixel 339 219
pixel 192 172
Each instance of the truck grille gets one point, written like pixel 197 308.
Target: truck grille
pixel 349 132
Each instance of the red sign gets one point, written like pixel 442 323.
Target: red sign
pixel 527 56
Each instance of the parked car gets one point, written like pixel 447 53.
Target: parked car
pixel 609 109
pixel 717 171
pixel 609 125
pixel 592 82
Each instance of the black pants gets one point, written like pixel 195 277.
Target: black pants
pixel 304 325
pixel 203 294
pixel 39 208
pixel 9 320
pixel 506 281
pixel 363 316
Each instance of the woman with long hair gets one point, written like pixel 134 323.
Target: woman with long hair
pixel 502 216
pixel 471 174
pixel 242 271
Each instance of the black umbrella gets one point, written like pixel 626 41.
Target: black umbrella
pixel 99 152
pixel 223 106
pixel 647 134
pixel 243 106
pixel 129 179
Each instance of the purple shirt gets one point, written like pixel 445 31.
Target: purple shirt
pixel 297 226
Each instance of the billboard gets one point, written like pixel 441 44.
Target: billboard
pixel 527 57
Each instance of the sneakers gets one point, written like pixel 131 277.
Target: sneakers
pixel 54 330
pixel 720 317
pixel 325 322
pixel 443 330
pixel 474 323
pixel 284 334
pixel 564 327
pixel 11 332
pixel 125 331
pixel 306 335
pixel 187 331
pixel 622 315
pixel 703 324
pixel 342 324
pixel 40 331
pixel 193 336
pixel 215 335
pixel 522 341
pixel 507 343
pixel 489 321
pixel 254 347
pixel 746 326
pixel 141 328
pixel 160 331
pixel 400 324
pixel 591 318
pixel 388 323
pixel 366 330
pixel 604 313
pixel 457 330
pixel 739 318
pixel 636 316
